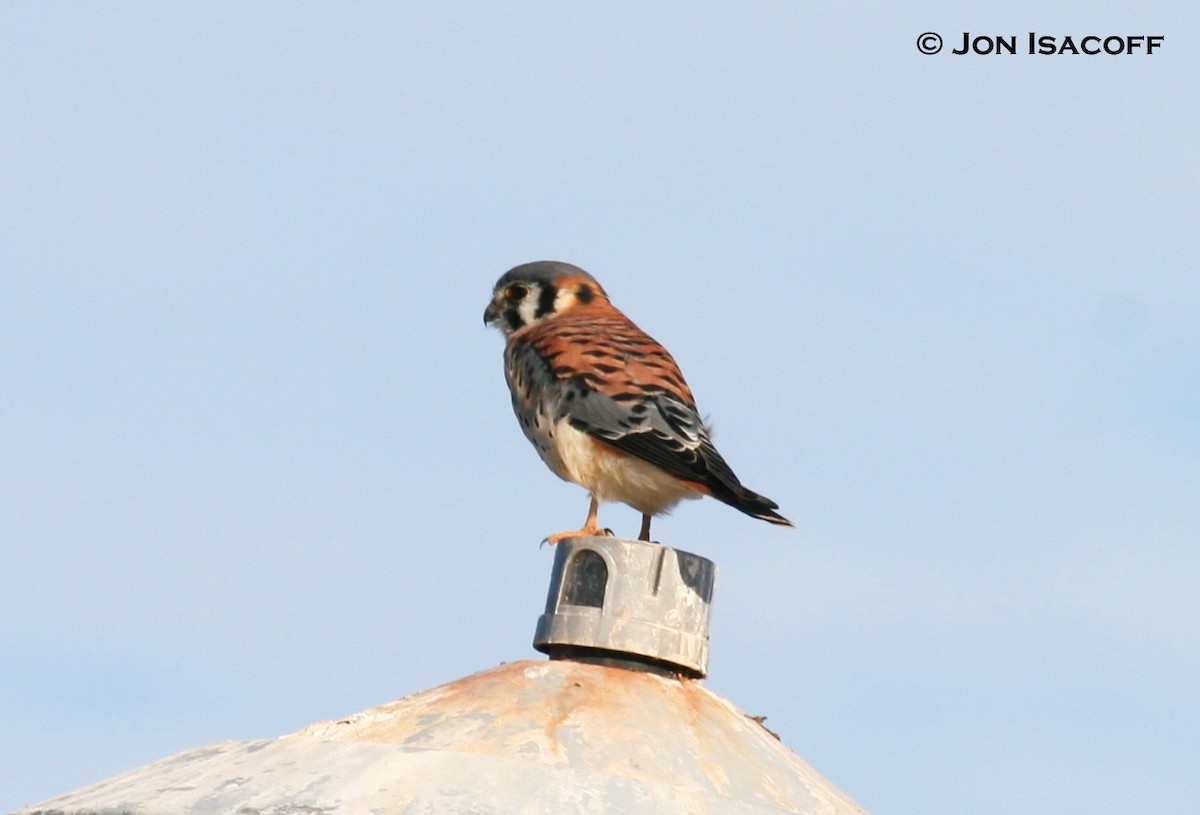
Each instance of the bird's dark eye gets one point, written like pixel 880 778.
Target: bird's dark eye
pixel 516 292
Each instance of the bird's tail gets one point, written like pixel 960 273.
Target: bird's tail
pixel 753 504
pixel 723 485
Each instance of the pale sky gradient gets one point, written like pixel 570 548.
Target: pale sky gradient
pixel 257 462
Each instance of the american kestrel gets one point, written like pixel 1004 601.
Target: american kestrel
pixel 604 404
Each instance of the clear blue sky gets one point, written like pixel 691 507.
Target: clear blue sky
pixel 257 462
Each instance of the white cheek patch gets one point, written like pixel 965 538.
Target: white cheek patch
pixel 563 300
pixel 528 308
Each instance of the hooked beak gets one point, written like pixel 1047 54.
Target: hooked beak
pixel 491 314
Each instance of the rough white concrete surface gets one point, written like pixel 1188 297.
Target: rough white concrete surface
pixel 527 737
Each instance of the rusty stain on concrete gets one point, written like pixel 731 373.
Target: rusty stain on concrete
pixel 619 722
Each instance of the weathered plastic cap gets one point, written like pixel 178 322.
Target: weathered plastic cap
pixel 629 603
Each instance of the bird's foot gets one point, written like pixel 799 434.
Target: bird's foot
pixel 586 532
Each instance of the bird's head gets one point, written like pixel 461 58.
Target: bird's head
pixel 533 292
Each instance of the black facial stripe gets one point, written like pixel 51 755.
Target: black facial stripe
pixel 512 319
pixel 546 301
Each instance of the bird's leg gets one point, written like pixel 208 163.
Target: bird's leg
pixel 591 527
pixel 644 535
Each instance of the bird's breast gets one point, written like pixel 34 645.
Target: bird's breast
pixel 535 411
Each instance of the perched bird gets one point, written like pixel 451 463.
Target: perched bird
pixel 604 404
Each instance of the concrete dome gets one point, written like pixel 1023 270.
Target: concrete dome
pixel 555 737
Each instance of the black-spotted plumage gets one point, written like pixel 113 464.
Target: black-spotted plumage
pixel 604 404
